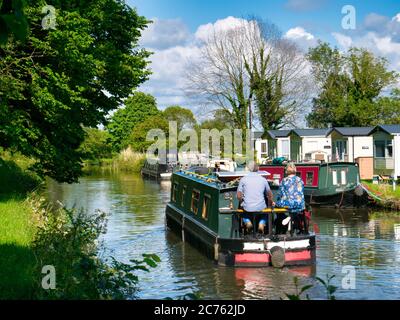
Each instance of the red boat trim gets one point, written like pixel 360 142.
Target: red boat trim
pixel 298 256
pixel 252 258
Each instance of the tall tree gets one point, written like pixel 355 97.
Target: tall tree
pixel 138 107
pixel 350 85
pixel 138 136
pixel 251 63
pixel 60 80
pixel 184 117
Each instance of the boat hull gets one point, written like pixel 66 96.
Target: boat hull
pixel 241 252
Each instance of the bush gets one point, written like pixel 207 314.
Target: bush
pixel 68 240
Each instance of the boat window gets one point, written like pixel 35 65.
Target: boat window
pixel 174 192
pixel 183 196
pixel 310 178
pixel 206 206
pixel 344 177
pixel 334 178
pixel 195 201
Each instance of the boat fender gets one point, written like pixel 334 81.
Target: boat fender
pixel 277 257
pixel 359 191
pixel 183 229
pixel 216 251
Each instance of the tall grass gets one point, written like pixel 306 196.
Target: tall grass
pixel 127 160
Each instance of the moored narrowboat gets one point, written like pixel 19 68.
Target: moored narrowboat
pixel 157 171
pixel 203 210
pixel 325 184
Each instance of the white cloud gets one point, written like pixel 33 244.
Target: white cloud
pixel 344 41
pixel 173 48
pixel 204 31
pixel 162 34
pixel 299 33
pixel 301 37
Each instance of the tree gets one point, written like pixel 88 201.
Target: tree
pixel 251 63
pixel 59 81
pixel 137 139
pixel 350 86
pixel 138 107
pixel 184 117
pixel 96 144
pixel 389 109
pixel 13 22
pixel 221 120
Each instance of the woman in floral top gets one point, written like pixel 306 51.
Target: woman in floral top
pixel 291 191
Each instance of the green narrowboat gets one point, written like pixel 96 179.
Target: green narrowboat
pixel 325 184
pixel 203 211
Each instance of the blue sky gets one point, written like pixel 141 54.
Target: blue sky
pixel 177 22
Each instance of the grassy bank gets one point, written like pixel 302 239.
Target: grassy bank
pixel 17 260
pixel 386 197
pixel 17 228
pixel 33 235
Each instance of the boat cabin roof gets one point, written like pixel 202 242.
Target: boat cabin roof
pixel 218 180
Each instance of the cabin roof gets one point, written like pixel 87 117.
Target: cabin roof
pixel 258 134
pixel 279 133
pixel 352 131
pixel 388 128
pixel 311 132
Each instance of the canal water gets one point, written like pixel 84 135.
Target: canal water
pixel 361 241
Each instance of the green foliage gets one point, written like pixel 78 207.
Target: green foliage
pixel 68 241
pixel 13 22
pixel 138 138
pixel 138 107
pixel 96 144
pixel 184 117
pixel 299 292
pixel 267 88
pixel 16 182
pixel 221 120
pixel 330 289
pixel 351 87
pixel 60 80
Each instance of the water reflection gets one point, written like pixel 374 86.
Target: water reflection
pixel 368 241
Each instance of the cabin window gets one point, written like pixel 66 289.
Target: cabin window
pixel 310 178
pixel 183 196
pixel 334 178
pixel 206 207
pixel 263 147
pixel 174 192
pixel 383 149
pixel 344 177
pixel 286 149
pixel 195 201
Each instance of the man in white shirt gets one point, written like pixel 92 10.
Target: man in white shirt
pixel 252 190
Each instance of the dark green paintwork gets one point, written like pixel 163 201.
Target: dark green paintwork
pixel 221 224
